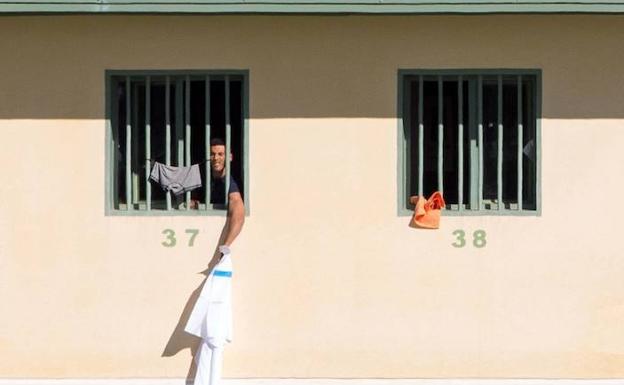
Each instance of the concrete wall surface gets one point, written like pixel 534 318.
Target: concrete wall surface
pixel 330 282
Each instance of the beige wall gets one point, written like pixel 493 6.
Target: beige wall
pixel 329 281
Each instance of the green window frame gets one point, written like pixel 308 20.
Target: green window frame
pixel 170 116
pixel 474 135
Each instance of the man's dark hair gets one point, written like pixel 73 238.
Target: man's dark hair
pixel 217 142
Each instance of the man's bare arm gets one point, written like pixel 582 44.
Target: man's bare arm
pixel 232 227
pixel 235 218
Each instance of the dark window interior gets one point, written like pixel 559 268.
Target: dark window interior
pixel 177 108
pixel 450 115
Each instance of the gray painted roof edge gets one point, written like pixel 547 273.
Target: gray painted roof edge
pixel 311 6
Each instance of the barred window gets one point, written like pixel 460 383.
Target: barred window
pixel 474 136
pixel 170 117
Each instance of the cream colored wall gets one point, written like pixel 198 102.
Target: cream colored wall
pixel 329 281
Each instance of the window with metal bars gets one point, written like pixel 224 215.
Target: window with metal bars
pixel 170 117
pixel 474 136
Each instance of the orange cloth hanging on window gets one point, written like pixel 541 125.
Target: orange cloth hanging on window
pixel 427 211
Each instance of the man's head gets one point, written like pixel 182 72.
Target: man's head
pixel 217 156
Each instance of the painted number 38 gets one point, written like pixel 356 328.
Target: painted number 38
pixel 478 239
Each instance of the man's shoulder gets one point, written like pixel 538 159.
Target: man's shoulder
pixel 221 182
pixel 233 185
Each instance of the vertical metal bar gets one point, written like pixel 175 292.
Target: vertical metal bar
pixel 128 146
pixel 520 141
pixel 228 139
pixel 460 143
pixel 474 148
pixel 179 103
pixel 421 136
pixel 244 116
pixel 115 157
pixel 207 143
pixel 407 141
pixel 148 143
pixel 480 136
pixel 168 131
pixel 499 163
pixel 179 129
pixel 187 136
pixel 440 136
pixel 135 146
pixel 534 121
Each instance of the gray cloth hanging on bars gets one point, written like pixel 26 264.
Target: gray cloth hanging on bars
pixel 178 180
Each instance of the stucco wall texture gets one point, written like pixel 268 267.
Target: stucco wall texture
pixel 329 280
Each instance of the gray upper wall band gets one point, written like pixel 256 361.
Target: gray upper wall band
pixel 311 6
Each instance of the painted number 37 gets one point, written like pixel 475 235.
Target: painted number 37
pixel 170 238
pixel 478 238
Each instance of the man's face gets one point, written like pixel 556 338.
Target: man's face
pixel 217 158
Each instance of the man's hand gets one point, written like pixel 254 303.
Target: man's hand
pixel 221 252
pixel 224 250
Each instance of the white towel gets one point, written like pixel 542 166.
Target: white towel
pixel 211 317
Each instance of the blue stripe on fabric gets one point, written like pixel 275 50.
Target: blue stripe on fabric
pixel 221 273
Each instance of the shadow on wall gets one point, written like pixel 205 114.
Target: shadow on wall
pixel 315 66
pixel 181 340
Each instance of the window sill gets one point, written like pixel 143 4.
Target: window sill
pixel 403 212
